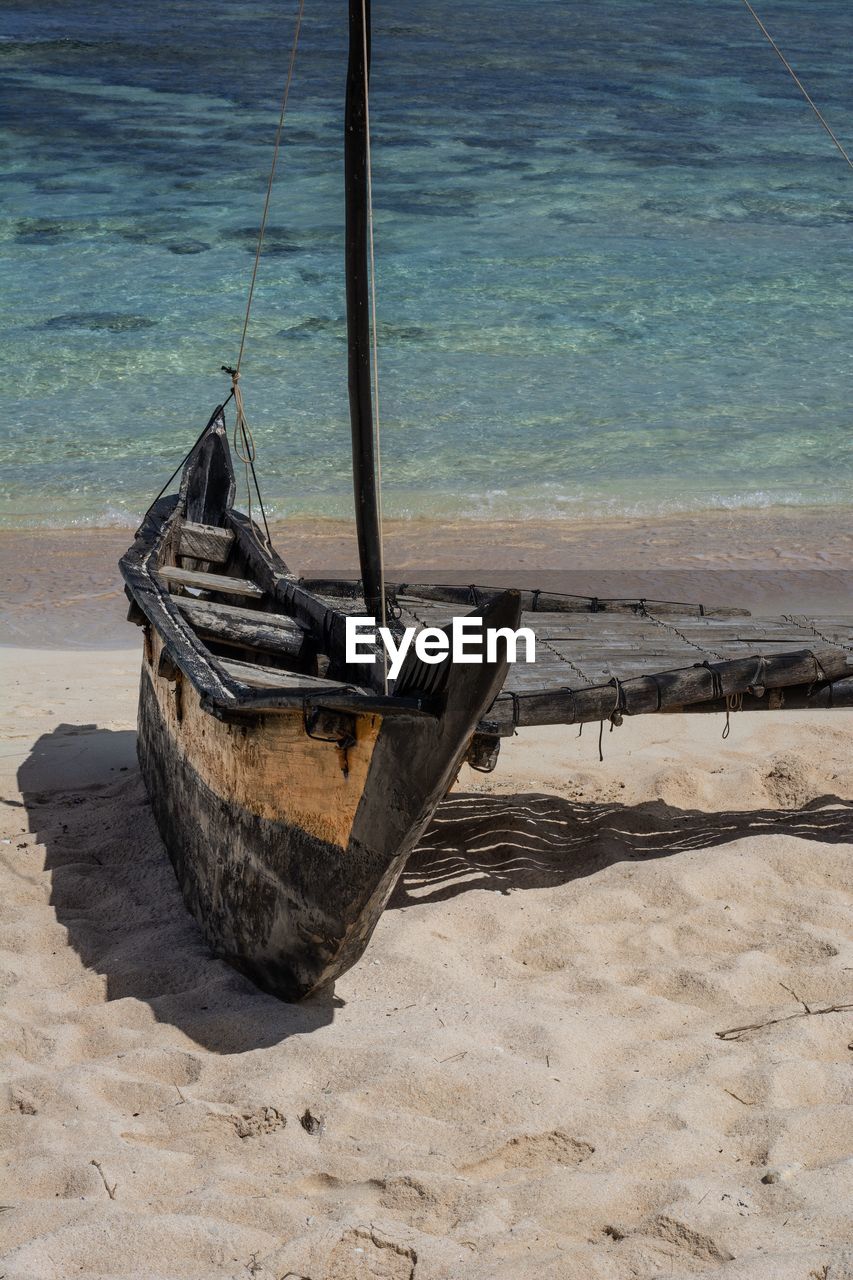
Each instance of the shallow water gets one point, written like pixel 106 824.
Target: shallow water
pixel 612 246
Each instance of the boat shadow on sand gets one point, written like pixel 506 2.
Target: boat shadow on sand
pixel 511 842
pixel 114 891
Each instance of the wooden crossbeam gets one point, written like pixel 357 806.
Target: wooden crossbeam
pixel 531 601
pixel 665 690
pixel 248 628
pixel 216 582
pixel 260 677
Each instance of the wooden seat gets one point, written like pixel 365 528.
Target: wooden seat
pixel 272 633
pixel 215 582
pixel 260 677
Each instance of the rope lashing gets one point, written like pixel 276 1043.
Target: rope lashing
pixel 756 684
pixel 675 631
pixel 806 624
pixel 619 709
pixel 733 701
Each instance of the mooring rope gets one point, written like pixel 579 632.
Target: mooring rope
pixel 243 440
pixel 798 82
pixel 265 215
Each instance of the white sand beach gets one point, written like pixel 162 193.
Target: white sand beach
pixel 522 1078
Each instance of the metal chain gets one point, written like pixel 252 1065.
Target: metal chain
pixel 800 620
pixel 667 626
pixel 562 657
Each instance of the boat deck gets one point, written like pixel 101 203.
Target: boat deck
pixel 598 659
pixel 254 633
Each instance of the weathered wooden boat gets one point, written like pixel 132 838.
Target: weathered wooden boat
pixel 288 795
pixel 289 787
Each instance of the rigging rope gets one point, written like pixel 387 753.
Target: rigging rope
pixel 244 447
pixel 797 81
pixel 276 148
pixel 244 442
pixel 374 342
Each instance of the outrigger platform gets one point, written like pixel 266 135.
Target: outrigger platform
pixel 290 788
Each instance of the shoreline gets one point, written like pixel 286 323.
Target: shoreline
pixel 62 587
pixel 789 521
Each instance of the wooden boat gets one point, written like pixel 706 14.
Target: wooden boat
pixel 288 795
pixel 290 788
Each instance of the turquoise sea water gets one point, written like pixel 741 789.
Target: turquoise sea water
pixel 614 253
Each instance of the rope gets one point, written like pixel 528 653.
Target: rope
pixel 243 440
pixel 797 81
pixel 265 215
pixel 244 447
pixel 574 667
pixel 377 452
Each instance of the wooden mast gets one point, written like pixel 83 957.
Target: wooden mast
pixel 358 309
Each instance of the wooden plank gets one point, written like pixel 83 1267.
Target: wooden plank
pixel 205 542
pixel 237 613
pixel 249 628
pixel 327 623
pixel 216 582
pixel 531 601
pixel 259 677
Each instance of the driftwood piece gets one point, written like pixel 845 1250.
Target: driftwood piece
pixel 807 1011
pixel 205 542
pixel 248 628
pixel 215 582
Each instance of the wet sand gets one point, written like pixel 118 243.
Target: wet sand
pixel 782 560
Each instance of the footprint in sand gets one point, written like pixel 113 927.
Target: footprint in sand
pixel 363 1253
pixel 532 1151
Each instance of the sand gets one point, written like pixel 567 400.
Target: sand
pixel 523 1076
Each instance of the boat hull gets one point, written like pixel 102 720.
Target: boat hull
pixel 284 890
